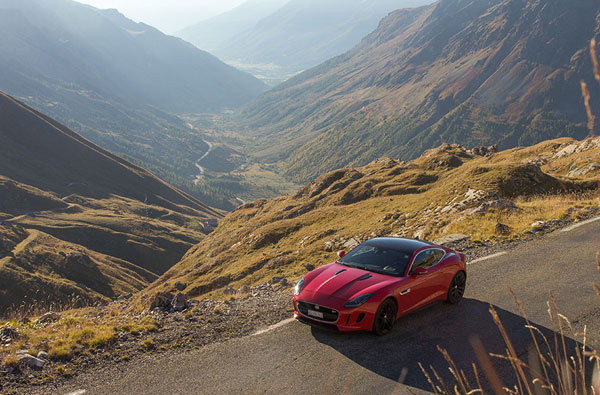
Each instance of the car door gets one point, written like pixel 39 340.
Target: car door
pixel 422 289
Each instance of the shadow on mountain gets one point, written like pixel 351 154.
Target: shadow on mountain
pixel 416 337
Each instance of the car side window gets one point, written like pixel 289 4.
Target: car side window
pixel 427 259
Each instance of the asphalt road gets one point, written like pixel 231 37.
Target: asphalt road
pixel 295 358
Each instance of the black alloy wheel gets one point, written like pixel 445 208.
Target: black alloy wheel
pixel 385 317
pixel 457 288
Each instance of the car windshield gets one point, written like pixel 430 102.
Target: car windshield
pixel 378 259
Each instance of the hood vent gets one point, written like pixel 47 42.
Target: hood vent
pixel 364 277
pixel 341 271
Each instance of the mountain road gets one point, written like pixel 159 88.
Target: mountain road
pixel 294 357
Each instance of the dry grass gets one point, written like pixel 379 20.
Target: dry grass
pixel 278 237
pixel 78 331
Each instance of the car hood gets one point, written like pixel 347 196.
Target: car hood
pixel 343 282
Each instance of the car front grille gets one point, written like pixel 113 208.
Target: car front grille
pixel 329 315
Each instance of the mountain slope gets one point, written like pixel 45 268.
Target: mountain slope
pixel 104 52
pixel 464 71
pixel 117 82
pixel 76 219
pixel 483 194
pixel 304 33
pixel 211 33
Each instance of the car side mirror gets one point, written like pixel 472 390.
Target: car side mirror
pixel 341 253
pixel 419 271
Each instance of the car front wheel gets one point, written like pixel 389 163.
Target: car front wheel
pixel 457 288
pixel 385 317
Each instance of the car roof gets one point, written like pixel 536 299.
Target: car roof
pixel 398 243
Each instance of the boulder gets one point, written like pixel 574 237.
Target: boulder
pixel 31 361
pixel 179 302
pixel 48 318
pixel 42 355
pixel 162 301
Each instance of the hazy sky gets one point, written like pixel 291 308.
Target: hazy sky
pixel 167 15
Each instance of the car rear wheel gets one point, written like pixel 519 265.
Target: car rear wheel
pixel 457 288
pixel 385 317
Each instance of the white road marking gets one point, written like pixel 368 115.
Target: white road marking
pixel 78 392
pixel 274 326
pixel 485 258
pixel 578 224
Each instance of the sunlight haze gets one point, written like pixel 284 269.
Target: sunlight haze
pixel 168 16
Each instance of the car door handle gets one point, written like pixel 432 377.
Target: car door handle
pixel 405 292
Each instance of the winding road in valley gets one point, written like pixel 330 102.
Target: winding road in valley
pixel 295 358
pixel 197 164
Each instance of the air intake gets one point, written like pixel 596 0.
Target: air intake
pixel 364 277
pixel 341 271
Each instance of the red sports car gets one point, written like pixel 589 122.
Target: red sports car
pixel 378 281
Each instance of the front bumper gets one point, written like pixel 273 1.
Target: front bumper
pixel 356 319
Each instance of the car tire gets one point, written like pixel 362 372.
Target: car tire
pixel 456 290
pixel 385 318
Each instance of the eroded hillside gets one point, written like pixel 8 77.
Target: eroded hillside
pixel 77 222
pixel 480 193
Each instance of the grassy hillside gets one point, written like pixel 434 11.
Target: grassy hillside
pixel 448 190
pixel 78 221
pixel 459 71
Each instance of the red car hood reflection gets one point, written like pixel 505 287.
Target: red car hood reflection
pixel 346 283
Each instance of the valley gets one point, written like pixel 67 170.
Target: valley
pixel 161 197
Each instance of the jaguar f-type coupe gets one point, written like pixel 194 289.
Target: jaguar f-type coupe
pixel 375 283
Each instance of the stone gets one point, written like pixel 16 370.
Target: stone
pixel 577 172
pixel 42 355
pixel 499 204
pixel 162 301
pixel 179 286
pixel 8 334
pixel 31 361
pixel 502 229
pixel 244 289
pixel 229 291
pixel 48 318
pixel 276 279
pixel 179 302
pixel 351 243
pixel 329 245
pixel 419 233
pixel 309 267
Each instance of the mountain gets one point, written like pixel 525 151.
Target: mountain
pixel 474 72
pixel 117 82
pixel 211 33
pixel 78 221
pixel 477 194
pixel 298 35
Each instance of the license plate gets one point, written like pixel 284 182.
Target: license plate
pixel 316 314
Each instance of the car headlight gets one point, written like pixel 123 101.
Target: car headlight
pixel 298 287
pixel 358 301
